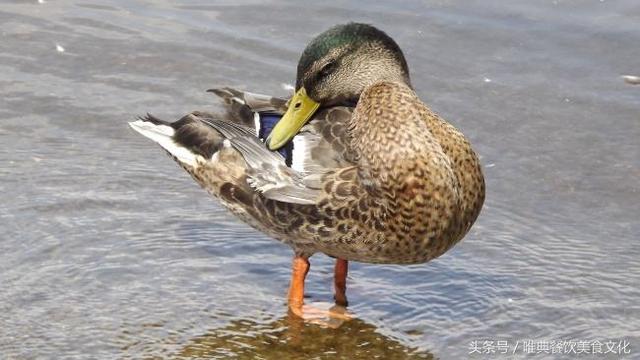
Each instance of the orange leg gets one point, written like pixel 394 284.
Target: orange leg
pixel 340 281
pixel 336 315
pixel 300 268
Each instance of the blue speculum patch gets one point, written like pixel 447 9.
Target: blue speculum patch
pixel 268 121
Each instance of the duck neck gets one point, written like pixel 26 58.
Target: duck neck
pixel 393 140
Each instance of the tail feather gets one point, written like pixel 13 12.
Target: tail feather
pixel 154 120
pixel 162 133
pixel 228 152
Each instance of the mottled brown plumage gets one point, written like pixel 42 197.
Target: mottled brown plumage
pixel 386 181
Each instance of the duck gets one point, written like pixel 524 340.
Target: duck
pixel 353 165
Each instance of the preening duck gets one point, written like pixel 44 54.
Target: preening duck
pixel 364 171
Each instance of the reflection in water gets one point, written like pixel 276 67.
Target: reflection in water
pixel 291 337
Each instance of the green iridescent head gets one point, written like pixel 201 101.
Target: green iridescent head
pixel 339 63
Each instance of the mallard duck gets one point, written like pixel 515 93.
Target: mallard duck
pixel 368 172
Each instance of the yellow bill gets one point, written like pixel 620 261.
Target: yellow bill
pixel 301 108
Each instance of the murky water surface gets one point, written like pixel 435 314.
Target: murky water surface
pixel 109 250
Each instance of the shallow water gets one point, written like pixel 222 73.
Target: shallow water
pixel 109 250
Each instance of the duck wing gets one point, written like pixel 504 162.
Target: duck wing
pixel 196 142
pixel 244 107
pixel 322 145
pixel 266 170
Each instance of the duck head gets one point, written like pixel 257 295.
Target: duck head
pixel 334 69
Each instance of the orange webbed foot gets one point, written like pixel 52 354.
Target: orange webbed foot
pixel 323 314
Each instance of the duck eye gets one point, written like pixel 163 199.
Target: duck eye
pixel 327 69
